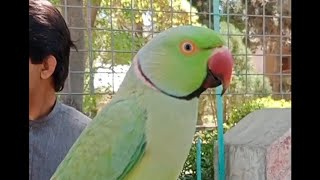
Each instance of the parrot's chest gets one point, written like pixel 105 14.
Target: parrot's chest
pixel 170 129
pixel 172 125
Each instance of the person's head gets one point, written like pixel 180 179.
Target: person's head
pixel 49 47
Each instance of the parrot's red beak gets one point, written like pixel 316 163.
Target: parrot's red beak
pixel 220 67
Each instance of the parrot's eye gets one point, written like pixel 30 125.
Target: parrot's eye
pixel 188 47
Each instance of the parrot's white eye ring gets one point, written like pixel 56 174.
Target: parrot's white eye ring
pixel 188 47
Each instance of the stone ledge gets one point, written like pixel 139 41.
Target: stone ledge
pixel 258 147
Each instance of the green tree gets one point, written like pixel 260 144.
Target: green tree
pixel 254 18
pixel 121 28
pixel 267 26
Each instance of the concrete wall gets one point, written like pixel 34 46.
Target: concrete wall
pixel 258 147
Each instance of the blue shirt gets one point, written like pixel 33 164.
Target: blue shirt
pixel 51 137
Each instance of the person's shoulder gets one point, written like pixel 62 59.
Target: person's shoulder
pixel 74 113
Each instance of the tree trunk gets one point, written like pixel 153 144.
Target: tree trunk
pixel 94 11
pixel 75 81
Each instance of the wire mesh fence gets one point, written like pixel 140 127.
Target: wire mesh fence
pixel 108 33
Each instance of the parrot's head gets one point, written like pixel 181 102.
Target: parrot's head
pixel 184 61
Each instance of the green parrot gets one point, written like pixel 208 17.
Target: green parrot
pixel 145 132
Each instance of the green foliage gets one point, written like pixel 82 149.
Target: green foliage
pixel 267 102
pixel 189 170
pixel 209 136
pixel 256 25
pixel 91 105
pixel 122 30
pixel 55 2
pixel 91 101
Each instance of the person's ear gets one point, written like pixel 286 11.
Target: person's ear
pixel 48 67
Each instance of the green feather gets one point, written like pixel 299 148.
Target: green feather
pixel 136 157
pixel 110 146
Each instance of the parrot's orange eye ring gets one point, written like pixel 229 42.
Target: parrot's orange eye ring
pixel 188 47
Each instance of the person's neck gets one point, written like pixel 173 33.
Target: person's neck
pixel 41 103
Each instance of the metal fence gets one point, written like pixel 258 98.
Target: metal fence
pixel 108 33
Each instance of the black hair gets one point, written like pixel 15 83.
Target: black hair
pixel 49 35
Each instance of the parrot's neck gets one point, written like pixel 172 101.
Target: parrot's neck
pixel 135 83
pixel 131 86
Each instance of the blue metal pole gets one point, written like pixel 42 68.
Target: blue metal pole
pixel 219 100
pixel 198 159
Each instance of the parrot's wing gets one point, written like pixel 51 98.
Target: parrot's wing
pixel 110 146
